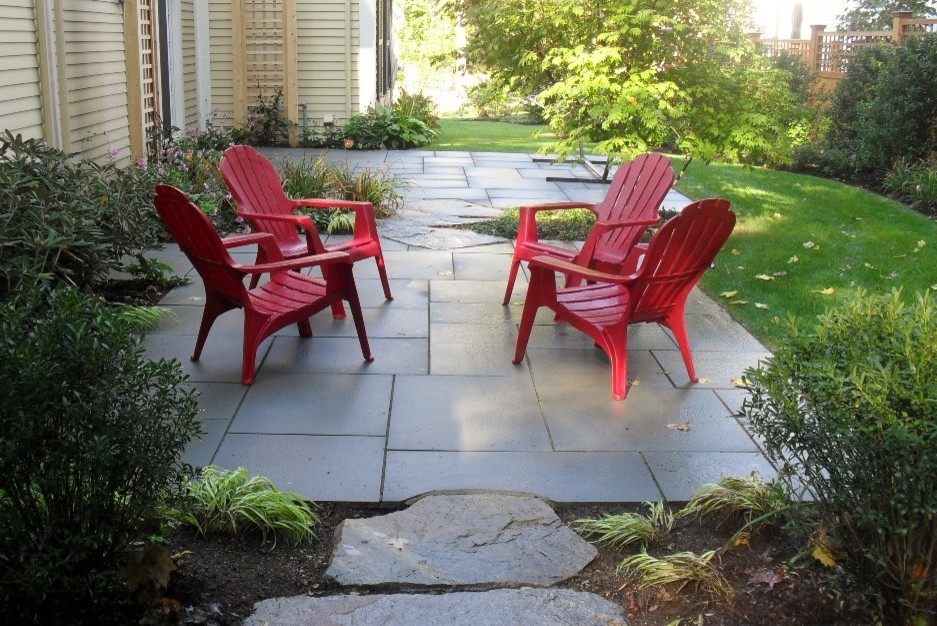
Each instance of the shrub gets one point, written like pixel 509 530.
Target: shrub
pixel 914 182
pixel 380 127
pixel 886 106
pixel 846 408
pixel 418 106
pixel 233 502
pixel 267 124
pixel 68 221
pixel 190 161
pixel 91 435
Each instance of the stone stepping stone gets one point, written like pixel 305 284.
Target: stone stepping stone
pixel 487 540
pixel 544 607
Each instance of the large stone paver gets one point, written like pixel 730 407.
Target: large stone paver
pixel 465 540
pixel 543 607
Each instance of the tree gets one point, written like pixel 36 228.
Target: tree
pixel 877 14
pixel 634 74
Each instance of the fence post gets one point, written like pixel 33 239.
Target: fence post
pixel 898 19
pixel 816 35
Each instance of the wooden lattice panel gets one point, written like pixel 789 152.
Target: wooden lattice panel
pixel 263 48
pixel 149 67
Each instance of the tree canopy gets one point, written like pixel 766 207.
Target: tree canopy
pixel 877 14
pixel 637 74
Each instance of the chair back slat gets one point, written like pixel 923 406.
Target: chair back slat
pixel 678 255
pixel 255 185
pixel 635 194
pixel 200 242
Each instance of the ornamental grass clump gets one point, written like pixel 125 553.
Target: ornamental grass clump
pixel 626 529
pixel 846 408
pixel 233 502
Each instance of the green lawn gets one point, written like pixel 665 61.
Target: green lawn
pixel 484 136
pixel 801 244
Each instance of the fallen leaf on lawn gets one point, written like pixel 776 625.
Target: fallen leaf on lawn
pixel 761 305
pixel 736 252
pixel 769 577
pixel 921 244
pixel 685 426
pixel 829 291
pixel 809 245
pixel 793 259
pixel 739 302
pixel 934 287
pixel 780 274
pixel 869 265
pixel 764 277
pixel 728 294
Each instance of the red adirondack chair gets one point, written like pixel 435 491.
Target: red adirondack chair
pixel 288 297
pixel 258 193
pixel 630 206
pixel 677 256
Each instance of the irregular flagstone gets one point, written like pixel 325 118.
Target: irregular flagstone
pixel 544 607
pixel 472 539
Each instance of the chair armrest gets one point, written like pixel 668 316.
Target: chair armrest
pixel 330 203
pixel 313 260
pixel 365 225
pixel 266 241
pixel 313 241
pixel 527 217
pixel 576 270
pixel 554 206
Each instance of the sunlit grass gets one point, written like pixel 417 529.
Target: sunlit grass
pixel 484 136
pixel 803 244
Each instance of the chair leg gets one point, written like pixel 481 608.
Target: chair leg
pixel 252 339
pixel 515 264
pixel 305 328
pixel 382 271
pixel 214 306
pixel 676 322
pixel 338 310
pixel 615 344
pixel 351 295
pixel 533 302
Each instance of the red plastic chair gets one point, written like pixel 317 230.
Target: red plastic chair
pixel 630 206
pixel 255 185
pixel 677 256
pixel 288 297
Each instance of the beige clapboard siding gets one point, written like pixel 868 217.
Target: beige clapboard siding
pixel 97 78
pixel 222 61
pixel 189 77
pixel 322 58
pixel 20 98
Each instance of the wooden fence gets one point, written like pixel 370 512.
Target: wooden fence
pixel 827 53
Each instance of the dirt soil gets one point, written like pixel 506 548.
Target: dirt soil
pixel 220 578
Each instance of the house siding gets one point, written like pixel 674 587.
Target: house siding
pixel 20 97
pixel 189 64
pixel 96 79
pixel 323 58
pixel 222 60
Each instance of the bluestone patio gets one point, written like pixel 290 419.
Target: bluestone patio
pixel 442 408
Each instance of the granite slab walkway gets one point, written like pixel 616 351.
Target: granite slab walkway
pixel 442 407
pixel 495 557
